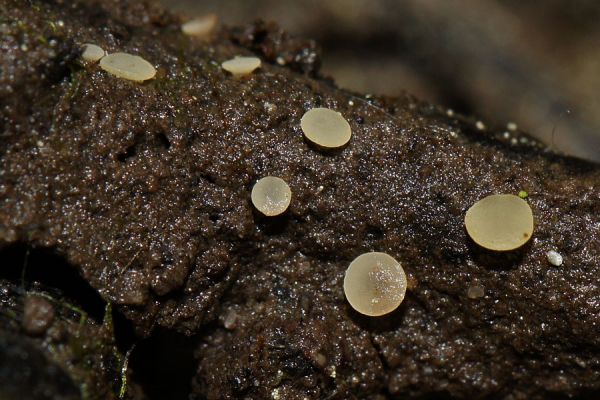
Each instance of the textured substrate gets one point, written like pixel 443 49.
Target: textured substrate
pixel 144 189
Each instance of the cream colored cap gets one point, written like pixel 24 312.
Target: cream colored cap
pixel 375 284
pixel 127 66
pixel 271 196
pixel 201 26
pixel 239 66
pixel 500 222
pixel 325 128
pixel 92 52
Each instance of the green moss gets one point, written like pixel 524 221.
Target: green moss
pixel 83 317
pixel 124 367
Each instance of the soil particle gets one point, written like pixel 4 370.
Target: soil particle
pixel 276 45
pixel 38 315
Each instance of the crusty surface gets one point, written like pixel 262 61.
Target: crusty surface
pixel 145 189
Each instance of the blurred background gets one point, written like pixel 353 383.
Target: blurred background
pixel 536 64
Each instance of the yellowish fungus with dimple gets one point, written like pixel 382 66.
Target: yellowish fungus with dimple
pixel 325 128
pixel 375 284
pixel 128 66
pixel 271 196
pixel 201 26
pixel 500 222
pixel 240 66
pixel 92 52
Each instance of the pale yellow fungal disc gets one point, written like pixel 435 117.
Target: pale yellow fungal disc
pixel 271 196
pixel 92 52
pixel 201 26
pixel 326 128
pixel 128 66
pixel 375 284
pixel 500 222
pixel 239 66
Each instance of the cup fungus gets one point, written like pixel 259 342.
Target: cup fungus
pixel 240 66
pixel 326 128
pixel 128 66
pixel 92 52
pixel 500 222
pixel 201 26
pixel 271 196
pixel 375 284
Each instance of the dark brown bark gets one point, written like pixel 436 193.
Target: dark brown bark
pixel 144 190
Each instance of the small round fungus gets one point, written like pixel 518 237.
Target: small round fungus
pixel 325 128
pixel 92 52
pixel 375 284
pixel 271 196
pixel 128 66
pixel 554 258
pixel 500 222
pixel 240 66
pixel 201 26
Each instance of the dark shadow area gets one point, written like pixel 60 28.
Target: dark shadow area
pixel 32 268
pixel 498 260
pixel 124 331
pixel 29 372
pixel 164 365
pixel 384 323
pixel 271 225
pixel 163 140
pixel 326 151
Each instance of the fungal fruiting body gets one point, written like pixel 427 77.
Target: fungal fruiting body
pixel 240 66
pixel 326 128
pixel 128 66
pixel 375 284
pixel 92 52
pixel 271 196
pixel 500 222
pixel 200 27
